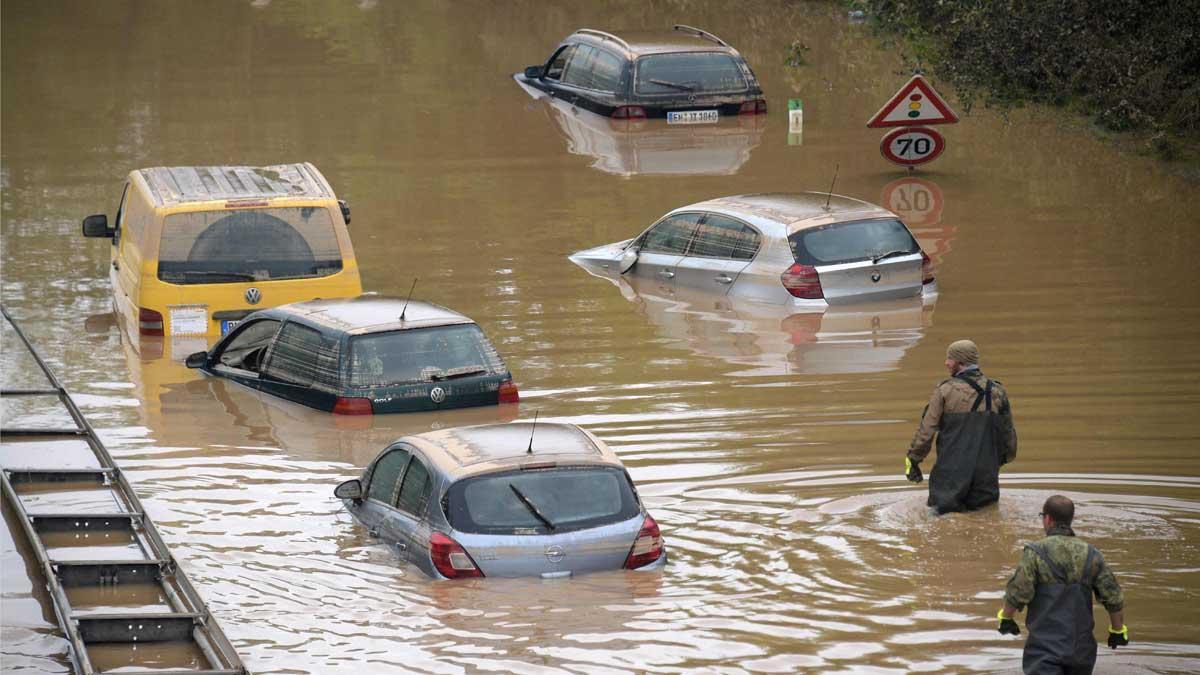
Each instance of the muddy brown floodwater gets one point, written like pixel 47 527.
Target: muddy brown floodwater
pixel 768 447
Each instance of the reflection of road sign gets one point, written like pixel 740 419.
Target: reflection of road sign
pixel 917 201
pixel 911 146
pixel 915 103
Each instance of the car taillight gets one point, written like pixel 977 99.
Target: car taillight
pixel 628 112
pixel 346 405
pixel 647 547
pixel 926 269
pixel 450 559
pixel 802 281
pixel 509 392
pixel 150 322
pixel 755 107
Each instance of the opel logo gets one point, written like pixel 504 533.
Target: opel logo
pixel 691 98
pixel 555 553
pixel 253 295
pixel 437 394
pixel 876 276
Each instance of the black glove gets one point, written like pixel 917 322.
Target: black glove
pixel 1007 625
pixel 912 471
pixel 1118 638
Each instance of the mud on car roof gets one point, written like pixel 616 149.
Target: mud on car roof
pixel 183 184
pixel 465 451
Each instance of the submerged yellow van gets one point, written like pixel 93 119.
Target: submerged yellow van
pixel 195 249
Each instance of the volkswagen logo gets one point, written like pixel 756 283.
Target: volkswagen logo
pixel 253 295
pixel 875 276
pixel 437 394
pixel 555 553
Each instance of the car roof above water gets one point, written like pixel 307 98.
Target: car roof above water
pixel 642 42
pixel 792 211
pixel 175 185
pixel 374 314
pixel 467 451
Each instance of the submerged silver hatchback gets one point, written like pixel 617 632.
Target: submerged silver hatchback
pixel 804 249
pixel 506 500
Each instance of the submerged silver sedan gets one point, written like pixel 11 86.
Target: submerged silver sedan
pixel 506 500
pixel 804 249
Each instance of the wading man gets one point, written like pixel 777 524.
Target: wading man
pixel 972 420
pixel 1056 579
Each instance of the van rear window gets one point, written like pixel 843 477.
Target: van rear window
pixel 207 247
pixel 848 242
pixel 422 355
pixel 689 72
pixel 570 498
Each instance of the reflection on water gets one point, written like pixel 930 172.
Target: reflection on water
pixel 795 543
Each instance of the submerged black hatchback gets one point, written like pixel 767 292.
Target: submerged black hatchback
pixel 686 75
pixel 364 355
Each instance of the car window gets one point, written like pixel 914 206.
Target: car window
pixel 847 242
pixel 606 71
pixel 414 491
pixel 120 219
pixel 206 247
pixel 725 238
pixel 671 235
pixel 301 355
pixel 246 347
pixel 422 355
pixel 579 68
pixel 571 498
pixel 559 63
pixel 696 72
pixel 385 477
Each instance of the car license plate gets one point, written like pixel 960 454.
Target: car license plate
pixel 229 325
pixel 692 117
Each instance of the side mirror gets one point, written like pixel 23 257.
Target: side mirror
pixel 629 257
pixel 97 226
pixel 345 210
pixel 351 489
pixel 533 72
pixel 196 360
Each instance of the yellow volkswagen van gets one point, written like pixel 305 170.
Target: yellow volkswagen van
pixel 195 249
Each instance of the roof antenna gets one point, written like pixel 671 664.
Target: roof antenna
pixel 410 290
pixel 831 183
pixel 529 450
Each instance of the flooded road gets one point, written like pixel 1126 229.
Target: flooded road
pixel 769 448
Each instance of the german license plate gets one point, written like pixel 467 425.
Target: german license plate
pixel 692 117
pixel 229 325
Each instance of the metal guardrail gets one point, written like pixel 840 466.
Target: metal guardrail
pixel 188 621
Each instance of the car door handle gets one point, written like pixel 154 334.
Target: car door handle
pixel 723 279
pixel 667 274
pixel 401 546
pixel 373 531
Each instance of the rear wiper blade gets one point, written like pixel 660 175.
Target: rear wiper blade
pixel 454 373
pixel 246 276
pixel 889 254
pixel 529 505
pixel 675 85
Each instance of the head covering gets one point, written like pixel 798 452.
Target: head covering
pixel 963 351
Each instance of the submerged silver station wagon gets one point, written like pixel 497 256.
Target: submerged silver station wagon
pixel 805 249
pixel 506 500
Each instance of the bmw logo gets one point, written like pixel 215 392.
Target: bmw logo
pixel 555 553
pixel 876 276
pixel 437 394
pixel 253 295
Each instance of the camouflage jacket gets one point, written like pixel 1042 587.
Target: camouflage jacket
pixel 953 395
pixel 1063 548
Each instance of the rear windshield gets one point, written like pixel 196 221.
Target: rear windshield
pixel 696 72
pixel 208 247
pixel 569 498
pixel 848 242
pixel 422 355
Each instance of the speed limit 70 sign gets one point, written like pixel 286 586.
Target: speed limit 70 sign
pixel 910 146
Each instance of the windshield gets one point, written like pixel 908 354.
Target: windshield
pixel 536 502
pixel 689 72
pixel 848 242
pixel 208 247
pixel 422 355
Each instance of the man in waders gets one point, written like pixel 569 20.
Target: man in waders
pixel 972 420
pixel 1056 579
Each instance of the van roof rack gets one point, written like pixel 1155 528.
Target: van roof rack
pixel 605 36
pixel 699 32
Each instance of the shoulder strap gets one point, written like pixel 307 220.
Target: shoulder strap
pixel 1089 574
pixel 1056 571
pixel 980 392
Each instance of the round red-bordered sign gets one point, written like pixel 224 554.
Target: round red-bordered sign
pixel 910 146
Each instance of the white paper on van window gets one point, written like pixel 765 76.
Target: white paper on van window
pixel 188 319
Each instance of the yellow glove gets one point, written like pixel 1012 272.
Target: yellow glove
pixel 912 470
pixel 1118 638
